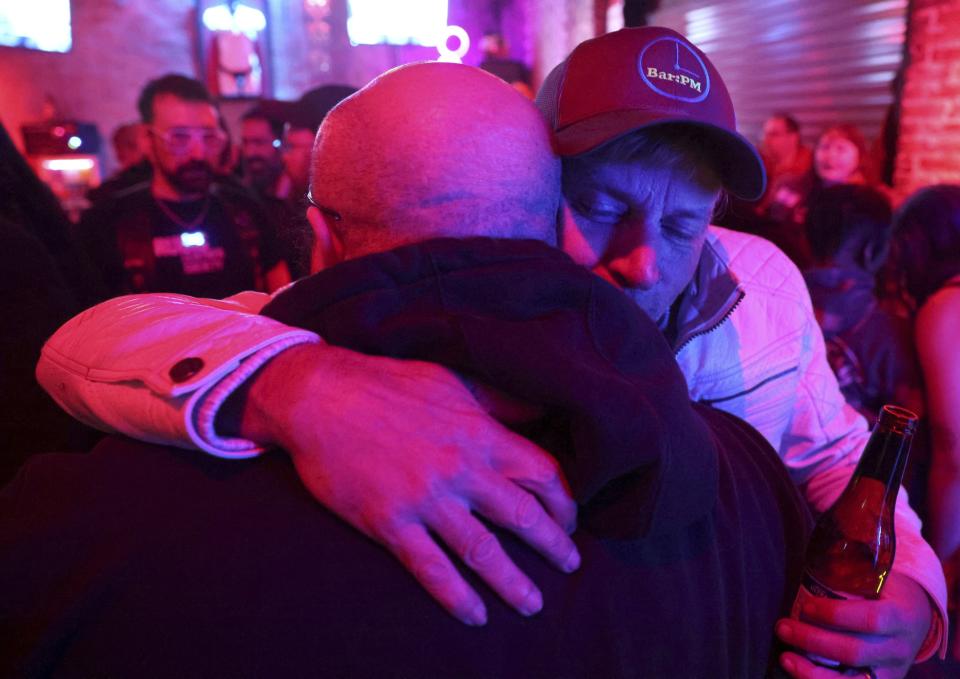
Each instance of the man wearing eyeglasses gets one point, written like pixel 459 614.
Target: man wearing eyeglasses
pixel 183 231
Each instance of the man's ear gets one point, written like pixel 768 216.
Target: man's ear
pixel 327 248
pixel 571 238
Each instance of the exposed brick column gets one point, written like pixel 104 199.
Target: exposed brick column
pixel 928 149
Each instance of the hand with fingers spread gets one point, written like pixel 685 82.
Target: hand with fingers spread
pixel 402 451
pixel 882 636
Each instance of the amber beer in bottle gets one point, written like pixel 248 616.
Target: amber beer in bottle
pixel 851 549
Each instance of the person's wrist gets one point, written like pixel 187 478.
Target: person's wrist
pixel 229 415
pixel 251 411
pixel 268 405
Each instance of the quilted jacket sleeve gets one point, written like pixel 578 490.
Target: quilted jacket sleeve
pixel 767 364
pixel 157 367
pixel 822 444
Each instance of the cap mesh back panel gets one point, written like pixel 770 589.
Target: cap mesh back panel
pixel 549 94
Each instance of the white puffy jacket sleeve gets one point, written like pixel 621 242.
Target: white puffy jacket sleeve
pixel 157 367
pixel 823 444
pixel 767 364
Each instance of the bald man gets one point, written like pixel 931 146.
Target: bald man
pixel 691 529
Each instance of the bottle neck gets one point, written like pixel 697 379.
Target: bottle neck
pixel 885 456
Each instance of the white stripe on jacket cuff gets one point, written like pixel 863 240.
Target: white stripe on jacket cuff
pixel 202 408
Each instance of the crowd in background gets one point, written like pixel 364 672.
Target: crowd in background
pixel 194 211
pixel 190 210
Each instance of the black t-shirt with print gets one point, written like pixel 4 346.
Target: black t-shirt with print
pixel 212 247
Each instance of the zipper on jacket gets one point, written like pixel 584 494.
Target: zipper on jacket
pixel 701 333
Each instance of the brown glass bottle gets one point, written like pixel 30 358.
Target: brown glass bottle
pixel 853 543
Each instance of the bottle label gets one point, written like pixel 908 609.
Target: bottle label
pixel 811 588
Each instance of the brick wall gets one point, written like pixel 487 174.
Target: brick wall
pixel 929 143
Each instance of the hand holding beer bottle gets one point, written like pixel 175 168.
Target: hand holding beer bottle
pixel 849 559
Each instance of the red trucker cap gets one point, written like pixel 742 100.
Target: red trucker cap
pixel 639 77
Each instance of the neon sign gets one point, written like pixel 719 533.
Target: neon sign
pixel 443 45
pixel 414 22
pixel 36 24
pixel 68 164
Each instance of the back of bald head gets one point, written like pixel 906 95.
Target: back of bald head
pixel 436 149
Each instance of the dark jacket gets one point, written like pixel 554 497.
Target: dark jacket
pixel 870 350
pixel 145 561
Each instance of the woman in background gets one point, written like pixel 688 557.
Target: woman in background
pixel 840 157
pixel 927 230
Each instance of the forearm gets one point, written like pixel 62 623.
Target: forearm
pixel 916 560
pixel 259 409
pixel 311 383
pixel 944 500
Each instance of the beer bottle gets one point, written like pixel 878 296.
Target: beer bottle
pixel 851 549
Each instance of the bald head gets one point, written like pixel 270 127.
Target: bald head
pixel 435 149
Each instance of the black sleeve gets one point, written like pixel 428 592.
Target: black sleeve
pixel 248 212
pixel 34 301
pixel 271 252
pixel 96 238
pixel 897 365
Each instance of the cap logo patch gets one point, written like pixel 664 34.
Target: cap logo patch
pixel 672 69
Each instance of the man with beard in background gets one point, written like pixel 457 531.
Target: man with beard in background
pixel 261 158
pixel 182 231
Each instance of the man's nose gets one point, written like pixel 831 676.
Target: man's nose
pixel 197 149
pixel 637 268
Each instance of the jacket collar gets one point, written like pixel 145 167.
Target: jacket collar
pixel 708 301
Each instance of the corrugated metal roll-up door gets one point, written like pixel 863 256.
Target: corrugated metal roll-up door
pixel 824 61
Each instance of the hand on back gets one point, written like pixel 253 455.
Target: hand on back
pixel 402 451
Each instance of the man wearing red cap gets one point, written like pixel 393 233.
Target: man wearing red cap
pixel 735 310
pixel 648 135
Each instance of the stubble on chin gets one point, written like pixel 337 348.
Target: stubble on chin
pixel 192 179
